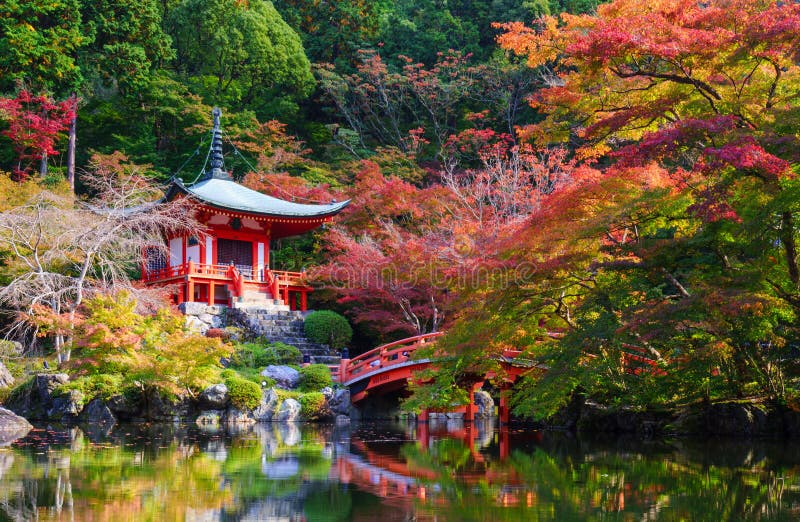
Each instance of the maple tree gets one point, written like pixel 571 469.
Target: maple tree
pixel 700 268
pixel 34 125
pixel 401 255
pixel 153 354
pixel 61 250
pixel 675 240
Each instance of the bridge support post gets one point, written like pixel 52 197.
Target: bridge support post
pixel 469 415
pixel 423 416
pixel 343 363
pixel 502 409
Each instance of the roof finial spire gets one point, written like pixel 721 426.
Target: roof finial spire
pixel 217 161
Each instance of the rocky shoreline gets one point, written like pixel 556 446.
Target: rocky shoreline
pixel 212 408
pixel 740 419
pixel 40 401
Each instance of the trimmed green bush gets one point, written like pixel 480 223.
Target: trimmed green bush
pixel 97 386
pixel 327 327
pixel 284 353
pixel 312 405
pixel 314 377
pixel 257 355
pixel 244 394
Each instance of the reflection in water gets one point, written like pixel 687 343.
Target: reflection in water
pixel 388 472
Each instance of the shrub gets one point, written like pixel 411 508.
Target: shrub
pixel 244 394
pixel 216 333
pixel 19 392
pixel 314 377
pixel 284 353
pixel 312 405
pixel 102 386
pixel 329 328
pixel 256 355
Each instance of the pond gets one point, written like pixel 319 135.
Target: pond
pixel 387 472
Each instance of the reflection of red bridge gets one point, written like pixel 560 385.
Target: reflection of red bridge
pixel 398 481
pixel 391 366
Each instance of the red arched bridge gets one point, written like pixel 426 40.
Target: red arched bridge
pixel 391 367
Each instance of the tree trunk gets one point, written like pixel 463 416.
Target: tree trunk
pixel 43 165
pixel 790 248
pixel 71 148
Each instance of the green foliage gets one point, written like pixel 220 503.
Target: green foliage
pixel 312 405
pixel 314 377
pixel 20 390
pixel 127 42
pixel 239 52
pixel 244 394
pixel 96 386
pixel 328 327
pixel 257 355
pixel 38 44
pixel 153 354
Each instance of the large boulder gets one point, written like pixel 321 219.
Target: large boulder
pixel 12 427
pixel 160 408
pixel 289 411
pixel 235 416
pixel 123 407
pixel 6 379
pixel 285 377
pixel 65 407
pixel 736 419
pixel 46 383
pixel 484 405
pixel 97 412
pixel 266 410
pixel 214 397
pixel 339 403
pixel 34 399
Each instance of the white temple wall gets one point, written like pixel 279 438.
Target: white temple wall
pixel 193 253
pixel 176 251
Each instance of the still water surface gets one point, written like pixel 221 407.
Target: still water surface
pixel 381 472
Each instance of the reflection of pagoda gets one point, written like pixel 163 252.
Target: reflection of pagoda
pixel 230 262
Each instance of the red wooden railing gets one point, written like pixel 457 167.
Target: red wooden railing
pixel 636 360
pixel 281 284
pixel 383 356
pixel 285 278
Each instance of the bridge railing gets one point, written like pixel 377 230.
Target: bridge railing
pixel 383 356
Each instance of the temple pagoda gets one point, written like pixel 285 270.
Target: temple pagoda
pixel 230 262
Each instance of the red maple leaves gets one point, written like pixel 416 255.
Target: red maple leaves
pixel 34 125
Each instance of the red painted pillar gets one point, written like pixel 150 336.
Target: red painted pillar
pixel 303 300
pixel 275 289
pixel 343 364
pixel 211 293
pixel 469 415
pixel 423 417
pixel 502 409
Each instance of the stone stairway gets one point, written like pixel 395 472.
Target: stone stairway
pixel 252 299
pixel 277 323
